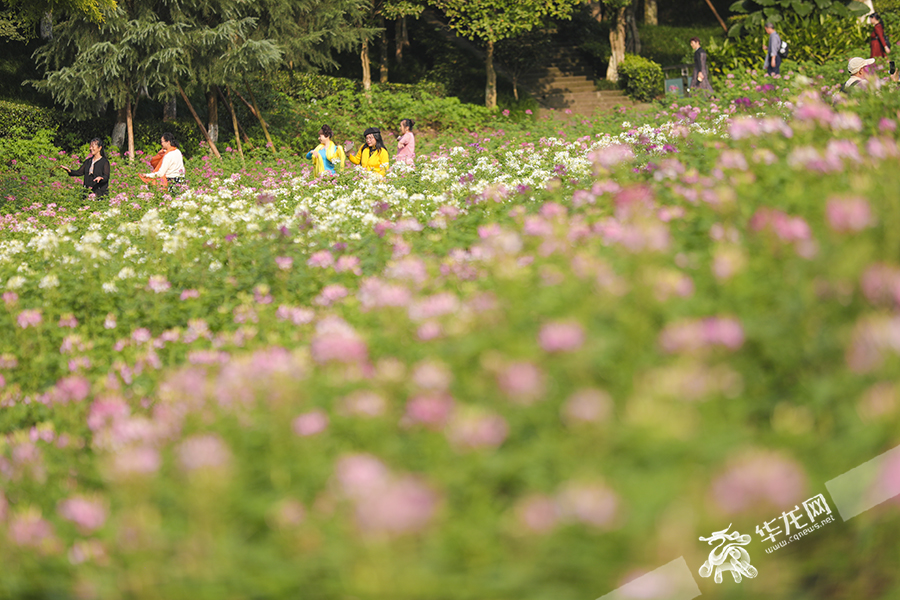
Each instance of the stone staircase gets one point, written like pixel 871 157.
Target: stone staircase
pixel 563 82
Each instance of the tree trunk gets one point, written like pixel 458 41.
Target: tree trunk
pixel 254 108
pixel 118 132
pixel 617 45
pixel 234 122
pixel 650 13
pixel 170 110
pixel 212 144
pixel 366 68
pixel 383 54
pixel 129 123
pixel 490 89
pixel 402 39
pixel 212 115
pixel 632 36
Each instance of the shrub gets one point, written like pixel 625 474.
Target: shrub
pixel 669 45
pixel 15 117
pixel 643 78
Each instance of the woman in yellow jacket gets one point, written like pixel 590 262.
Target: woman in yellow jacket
pixel 327 155
pixel 372 155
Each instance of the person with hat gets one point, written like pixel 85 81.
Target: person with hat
pixel 372 155
pixel 859 72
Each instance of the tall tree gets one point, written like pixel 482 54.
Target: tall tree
pixel 493 20
pixel 89 65
pixel 18 17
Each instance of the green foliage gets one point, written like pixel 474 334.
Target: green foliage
pixel 306 87
pixel 669 45
pixel 495 20
pixel 827 37
pixel 643 79
pixel 759 12
pixel 15 117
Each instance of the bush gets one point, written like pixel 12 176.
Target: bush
pixel 826 39
pixel 15 117
pixel 643 78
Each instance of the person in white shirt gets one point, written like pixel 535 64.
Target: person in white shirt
pixel 169 170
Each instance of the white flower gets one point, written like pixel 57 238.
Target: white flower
pixel 110 288
pixel 15 282
pixel 49 281
pixel 125 273
pixel 215 265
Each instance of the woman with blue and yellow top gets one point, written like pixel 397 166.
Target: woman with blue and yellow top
pixel 372 155
pixel 327 155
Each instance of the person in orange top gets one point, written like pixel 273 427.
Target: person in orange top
pixel 372 155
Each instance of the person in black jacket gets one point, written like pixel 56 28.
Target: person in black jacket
pixel 95 170
pixel 700 80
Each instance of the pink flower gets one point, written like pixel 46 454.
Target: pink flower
pixel 330 294
pixel 761 477
pixel 88 515
pixel 205 451
pixel 538 513
pixel 561 337
pixel 361 476
pixel 310 423
pixel 431 375
pixel 594 505
pixel 363 403
pixel 335 340
pixel 587 405
pixel 403 506
pixel 322 258
pixel 473 430
pixel 433 306
pixel 68 320
pixel 375 293
pixel 849 214
pixel 348 263
pixel 158 284
pixel 284 262
pixel 142 460
pixel 431 410
pixel 188 294
pixel 110 321
pixel 29 530
pixel 71 389
pixel 522 382
pixel 694 335
pixel 10 298
pixel 29 318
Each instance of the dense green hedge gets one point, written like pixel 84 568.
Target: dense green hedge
pixel 14 115
pixel 670 46
pixel 310 86
pixel 643 78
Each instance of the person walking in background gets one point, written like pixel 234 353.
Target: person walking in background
pixel 327 155
pixel 95 170
pixel 700 80
pixel 372 155
pixel 169 171
pixel 406 143
pixel 877 41
pixel 773 51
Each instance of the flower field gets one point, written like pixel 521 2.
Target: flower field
pixel 538 364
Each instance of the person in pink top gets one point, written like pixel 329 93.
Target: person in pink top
pixel 406 143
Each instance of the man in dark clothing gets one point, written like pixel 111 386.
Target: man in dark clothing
pixel 773 51
pixel 700 80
